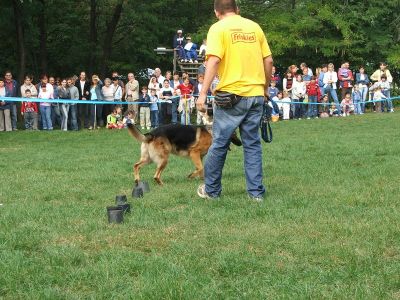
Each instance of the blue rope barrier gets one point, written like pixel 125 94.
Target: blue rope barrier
pixel 67 101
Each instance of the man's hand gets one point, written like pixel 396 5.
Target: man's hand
pixel 200 103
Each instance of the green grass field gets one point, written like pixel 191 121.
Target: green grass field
pixel 329 228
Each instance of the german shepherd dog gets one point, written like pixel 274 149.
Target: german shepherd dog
pixel 182 140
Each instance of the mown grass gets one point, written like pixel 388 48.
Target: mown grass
pixel 329 227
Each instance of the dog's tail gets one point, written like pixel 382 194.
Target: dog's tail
pixel 133 131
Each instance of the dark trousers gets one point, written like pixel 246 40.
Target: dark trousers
pixel 298 108
pixel 96 113
pixel 55 114
pixel 83 115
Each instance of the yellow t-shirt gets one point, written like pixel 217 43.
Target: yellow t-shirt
pixel 241 45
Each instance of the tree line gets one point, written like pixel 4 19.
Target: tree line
pixel 63 37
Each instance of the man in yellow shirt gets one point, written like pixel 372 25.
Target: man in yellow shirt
pixel 238 52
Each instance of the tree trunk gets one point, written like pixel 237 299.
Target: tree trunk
pixel 20 39
pixel 107 44
pixel 293 4
pixel 92 37
pixel 43 38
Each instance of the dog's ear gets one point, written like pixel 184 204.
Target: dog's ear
pixel 235 139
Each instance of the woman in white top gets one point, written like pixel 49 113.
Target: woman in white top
pixel 108 95
pixel 298 93
pixel 330 81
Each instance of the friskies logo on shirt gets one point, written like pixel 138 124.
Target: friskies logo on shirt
pixel 244 37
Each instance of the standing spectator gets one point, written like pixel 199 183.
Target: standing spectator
pixel 160 78
pixel 197 88
pixel 321 75
pixel 288 83
pixel 154 108
pixel 191 50
pixel 275 77
pixel 11 86
pixel 385 85
pixel 45 107
pixel 5 108
pixel 314 94
pixel 64 93
pixel 74 92
pixel 186 75
pixel 305 70
pixel 144 107
pixel 153 84
pixel 306 76
pixel 246 78
pixel 346 79
pixel 166 93
pixel 203 48
pixel 168 75
pixel 55 107
pixel 298 94
pixel 108 95
pixel 179 44
pixel 132 94
pixel 330 81
pixel 120 82
pixel 362 81
pixel 202 69
pixel 174 83
pixel 293 70
pixel 383 70
pixel 96 111
pixel 186 90
pixel 117 91
pixel 83 87
pixel 357 98
pixel 29 111
pixel 28 85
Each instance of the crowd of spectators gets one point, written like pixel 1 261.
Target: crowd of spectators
pixel 327 92
pixel 171 98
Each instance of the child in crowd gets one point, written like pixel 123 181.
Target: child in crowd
pixel 129 115
pixel 298 94
pixel 45 107
pixel 112 120
pixel 153 108
pixel 325 107
pixel 347 105
pixel 333 111
pixel 378 97
pixel 385 85
pixel 144 107
pixel 185 104
pixel 273 90
pixel 30 112
pixel 314 93
pixel 285 106
pixel 357 99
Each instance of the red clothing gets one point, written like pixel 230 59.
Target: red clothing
pixel 313 89
pixel 29 107
pixel 186 90
pixel 345 77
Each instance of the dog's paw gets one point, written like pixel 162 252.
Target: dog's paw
pixel 158 181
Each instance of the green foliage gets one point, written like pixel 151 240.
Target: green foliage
pixel 329 228
pixel 314 31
